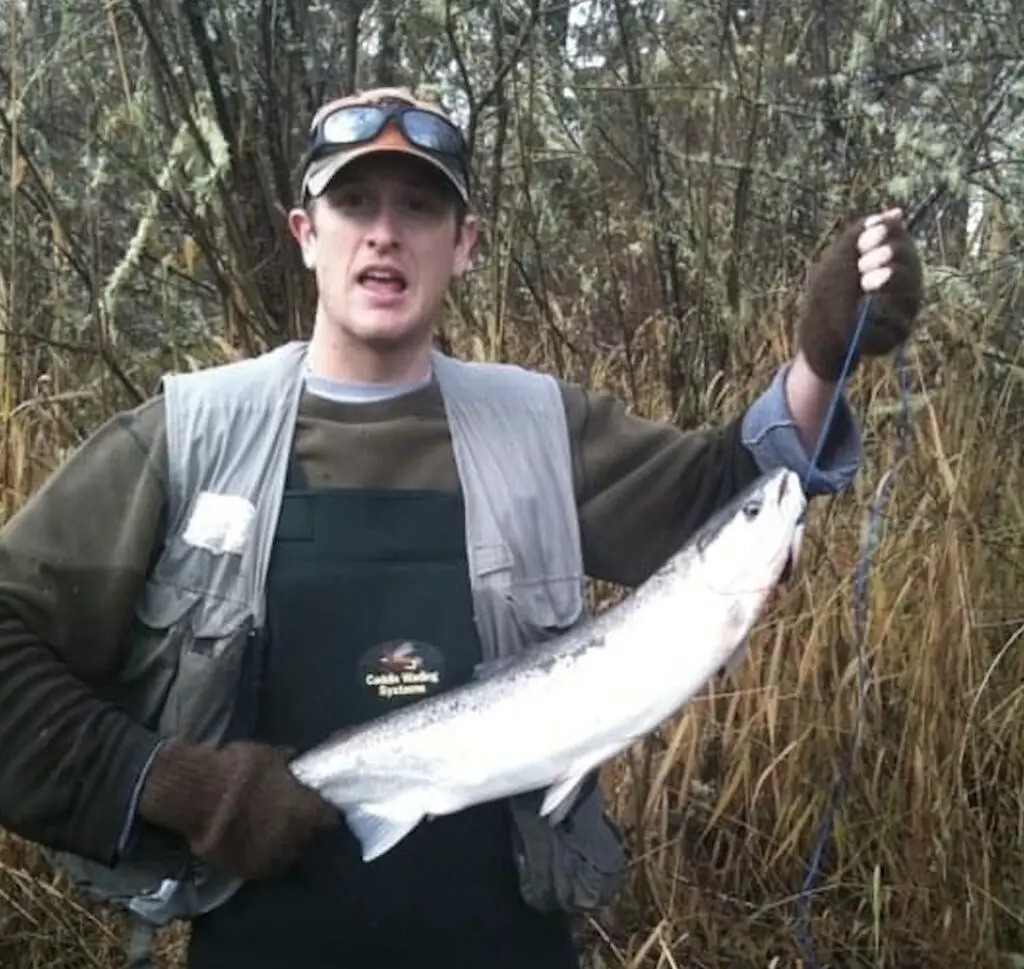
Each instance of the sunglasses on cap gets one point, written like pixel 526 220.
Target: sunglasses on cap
pixel 350 125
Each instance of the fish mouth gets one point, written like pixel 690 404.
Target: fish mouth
pixel 796 538
pixel 793 554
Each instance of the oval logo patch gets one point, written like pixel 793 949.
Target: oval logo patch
pixel 402 668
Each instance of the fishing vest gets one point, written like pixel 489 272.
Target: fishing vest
pixel 229 437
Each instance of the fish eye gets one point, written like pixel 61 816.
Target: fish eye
pixel 752 507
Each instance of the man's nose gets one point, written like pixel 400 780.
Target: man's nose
pixel 383 229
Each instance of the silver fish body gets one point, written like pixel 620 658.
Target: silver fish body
pixel 550 716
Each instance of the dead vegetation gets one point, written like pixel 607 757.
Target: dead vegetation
pixel 648 235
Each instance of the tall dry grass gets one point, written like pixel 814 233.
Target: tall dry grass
pixel 722 808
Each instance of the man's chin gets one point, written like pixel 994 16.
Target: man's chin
pixel 391 332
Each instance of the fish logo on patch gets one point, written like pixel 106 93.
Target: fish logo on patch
pixel 402 668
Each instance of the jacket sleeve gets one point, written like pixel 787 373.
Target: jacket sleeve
pixel 643 487
pixel 72 562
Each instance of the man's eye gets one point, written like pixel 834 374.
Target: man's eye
pixel 353 199
pixel 421 203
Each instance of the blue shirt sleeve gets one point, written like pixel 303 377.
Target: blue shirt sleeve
pixel 771 436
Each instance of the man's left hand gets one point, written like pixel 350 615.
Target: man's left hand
pixel 875 256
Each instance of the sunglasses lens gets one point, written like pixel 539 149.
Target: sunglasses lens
pixel 429 131
pixel 352 124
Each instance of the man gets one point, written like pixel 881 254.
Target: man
pixel 368 570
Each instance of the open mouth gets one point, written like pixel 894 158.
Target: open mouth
pixel 383 281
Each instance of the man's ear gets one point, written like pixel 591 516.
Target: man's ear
pixel 300 224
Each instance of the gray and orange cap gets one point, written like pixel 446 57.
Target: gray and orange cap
pixel 319 172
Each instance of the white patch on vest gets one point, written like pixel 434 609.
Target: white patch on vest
pixel 222 524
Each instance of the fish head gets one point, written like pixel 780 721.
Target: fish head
pixel 748 547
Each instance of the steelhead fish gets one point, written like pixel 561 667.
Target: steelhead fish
pixel 546 718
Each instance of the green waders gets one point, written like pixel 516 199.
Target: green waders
pixel 369 608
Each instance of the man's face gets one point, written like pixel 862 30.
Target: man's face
pixel 384 243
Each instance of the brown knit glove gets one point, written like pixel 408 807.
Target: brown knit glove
pixel 239 807
pixel 832 304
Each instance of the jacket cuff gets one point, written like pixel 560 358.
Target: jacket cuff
pixel 103 834
pixel 128 829
pixel 770 434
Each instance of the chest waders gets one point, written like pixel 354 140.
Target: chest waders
pixel 369 609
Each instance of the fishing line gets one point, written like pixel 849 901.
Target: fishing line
pixel 1000 87
pixel 868 545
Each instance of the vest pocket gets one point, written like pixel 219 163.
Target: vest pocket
pixel 537 609
pixel 546 607
pixel 195 644
pixel 576 866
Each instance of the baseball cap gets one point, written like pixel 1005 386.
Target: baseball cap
pixel 389 119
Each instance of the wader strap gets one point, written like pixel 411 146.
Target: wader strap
pixel 295 479
pixel 245 711
pixel 245 714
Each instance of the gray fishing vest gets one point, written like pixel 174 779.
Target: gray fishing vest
pixel 229 436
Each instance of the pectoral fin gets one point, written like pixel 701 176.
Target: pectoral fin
pixel 560 797
pixel 379 827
